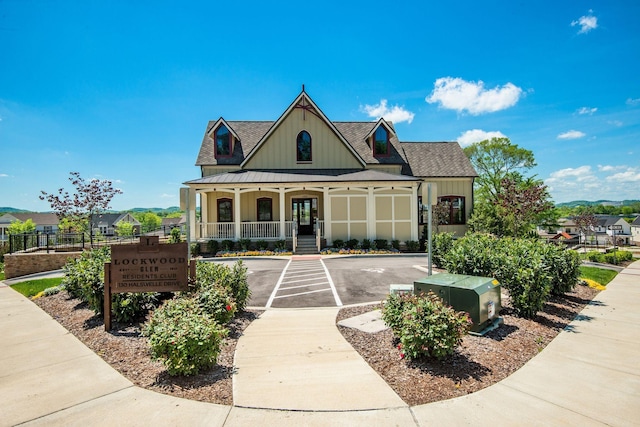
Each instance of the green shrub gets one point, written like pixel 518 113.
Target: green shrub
pixel 212 246
pixel 366 244
pixel 564 268
pixel 227 245
pixel 216 302
pixel 522 266
pixel 392 311
pixel 338 243
pixel 245 244
pixel 239 285
pixel 280 245
pixel 381 244
pixel 175 236
pixel 232 280
pixel 442 244
pixel 127 307
pixel 183 337
pixel 262 245
pixel 395 244
pixel 352 243
pixel 195 249
pixel 425 326
pixel 412 245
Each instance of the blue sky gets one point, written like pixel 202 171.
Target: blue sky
pixel 123 90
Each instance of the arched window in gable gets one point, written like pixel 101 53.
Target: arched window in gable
pixel 381 142
pixel 303 147
pixel 223 141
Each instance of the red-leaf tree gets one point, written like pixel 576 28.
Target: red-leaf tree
pixel 521 203
pixel 90 199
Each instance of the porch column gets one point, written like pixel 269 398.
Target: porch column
pixel 371 214
pixel 283 225
pixel 414 214
pixel 236 213
pixel 327 215
pixel 204 215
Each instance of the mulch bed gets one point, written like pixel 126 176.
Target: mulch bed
pixel 478 363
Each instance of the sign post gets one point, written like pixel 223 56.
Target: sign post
pixel 146 267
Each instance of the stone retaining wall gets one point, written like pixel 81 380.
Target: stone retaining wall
pixel 16 265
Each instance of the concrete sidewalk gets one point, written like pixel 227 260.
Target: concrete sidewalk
pixel 296 359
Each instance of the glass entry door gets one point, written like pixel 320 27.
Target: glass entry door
pixel 305 212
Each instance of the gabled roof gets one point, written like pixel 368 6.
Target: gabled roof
pixel 437 159
pixel 112 219
pixel 251 134
pixel 605 220
pixel 37 218
pixel 636 222
pixel 303 99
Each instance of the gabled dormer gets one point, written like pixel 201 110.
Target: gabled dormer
pixel 379 139
pixel 223 137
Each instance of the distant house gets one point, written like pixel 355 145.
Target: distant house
pixel 107 223
pixel 45 222
pixel 607 226
pixel 635 231
pixel 169 224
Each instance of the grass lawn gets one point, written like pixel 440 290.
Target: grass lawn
pixel 30 288
pixel 599 275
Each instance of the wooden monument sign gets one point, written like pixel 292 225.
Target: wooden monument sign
pixel 146 267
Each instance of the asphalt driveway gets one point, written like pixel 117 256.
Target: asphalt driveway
pixel 327 281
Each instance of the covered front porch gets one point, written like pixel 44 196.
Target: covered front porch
pixel 336 207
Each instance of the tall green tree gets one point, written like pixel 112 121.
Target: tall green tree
pixel 149 221
pixel 19 227
pixel 496 159
pixel 506 201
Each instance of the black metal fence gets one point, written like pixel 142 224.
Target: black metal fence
pixel 32 242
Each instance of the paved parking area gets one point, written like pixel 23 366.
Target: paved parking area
pixel 328 281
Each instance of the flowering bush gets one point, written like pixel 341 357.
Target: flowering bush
pixel 218 286
pixel 425 326
pixel 184 337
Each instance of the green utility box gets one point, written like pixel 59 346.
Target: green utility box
pixel 478 296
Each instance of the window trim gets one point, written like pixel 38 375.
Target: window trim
pixel 229 142
pixel 374 145
pixel 298 160
pixel 221 201
pixel 451 213
pixel 264 199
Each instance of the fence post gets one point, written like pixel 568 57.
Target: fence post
pixel 47 234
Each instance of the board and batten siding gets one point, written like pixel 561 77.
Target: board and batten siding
pixel 279 150
pixel 453 187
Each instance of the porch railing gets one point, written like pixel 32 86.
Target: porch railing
pixel 267 230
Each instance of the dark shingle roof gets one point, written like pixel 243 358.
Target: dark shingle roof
pixel 250 134
pixel 299 176
pixel 437 159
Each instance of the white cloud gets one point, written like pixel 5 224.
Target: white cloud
pixel 609 168
pixel 586 23
pixel 617 123
pixel 633 102
pixel 460 95
pixel 572 134
pixel 629 176
pixel 587 110
pixel 3 175
pixel 168 196
pixel 615 182
pixel 395 114
pixel 476 135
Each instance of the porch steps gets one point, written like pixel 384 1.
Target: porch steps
pixel 306 245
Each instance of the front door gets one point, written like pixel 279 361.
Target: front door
pixel 305 212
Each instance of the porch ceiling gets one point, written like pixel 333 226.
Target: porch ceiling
pixel 297 176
